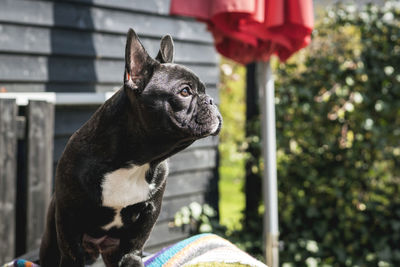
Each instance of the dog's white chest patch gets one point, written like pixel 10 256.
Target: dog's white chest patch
pixel 122 188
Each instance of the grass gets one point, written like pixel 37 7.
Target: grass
pixel 232 199
pixel 232 107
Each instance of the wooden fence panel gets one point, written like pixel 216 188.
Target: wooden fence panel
pixel 8 154
pixel 40 129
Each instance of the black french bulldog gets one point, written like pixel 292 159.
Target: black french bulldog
pixel 111 177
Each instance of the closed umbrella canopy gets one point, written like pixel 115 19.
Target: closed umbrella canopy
pixel 252 30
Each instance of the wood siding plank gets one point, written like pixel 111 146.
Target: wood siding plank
pixel 46 41
pixel 68 119
pixel 61 69
pixel 70 87
pixel 8 175
pixel 160 7
pixel 163 233
pixel 196 159
pixel 40 125
pixel 188 183
pixel 74 16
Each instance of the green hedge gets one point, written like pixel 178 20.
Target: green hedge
pixel 338 139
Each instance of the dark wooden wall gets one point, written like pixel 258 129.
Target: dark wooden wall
pixel 78 46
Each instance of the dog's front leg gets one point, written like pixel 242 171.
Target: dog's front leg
pixel 131 245
pixel 132 259
pixel 72 253
pixel 69 238
pixel 129 253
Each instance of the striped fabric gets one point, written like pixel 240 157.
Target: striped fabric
pixel 204 250
pixel 20 263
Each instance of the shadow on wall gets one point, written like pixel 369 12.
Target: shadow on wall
pixel 71 65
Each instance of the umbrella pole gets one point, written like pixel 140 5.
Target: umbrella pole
pixel 265 82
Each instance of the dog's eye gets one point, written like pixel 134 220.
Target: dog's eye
pixel 185 92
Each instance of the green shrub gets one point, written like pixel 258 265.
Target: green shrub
pixel 338 140
pixel 198 219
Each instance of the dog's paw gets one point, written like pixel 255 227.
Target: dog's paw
pixel 131 260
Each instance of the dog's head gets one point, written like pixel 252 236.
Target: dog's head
pixel 170 99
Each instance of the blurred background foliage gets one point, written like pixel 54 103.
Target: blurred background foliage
pixel 338 134
pixel 232 107
pixel 338 141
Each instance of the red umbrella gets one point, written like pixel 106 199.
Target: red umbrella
pixel 249 31
pixel 252 30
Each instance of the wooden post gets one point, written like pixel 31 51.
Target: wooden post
pixel 40 131
pixel 8 159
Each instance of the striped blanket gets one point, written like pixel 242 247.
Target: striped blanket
pixel 204 250
pixel 20 263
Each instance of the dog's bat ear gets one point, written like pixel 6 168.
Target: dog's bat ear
pixel 166 53
pixel 138 63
